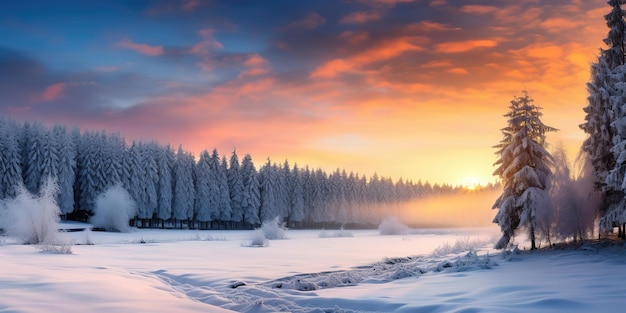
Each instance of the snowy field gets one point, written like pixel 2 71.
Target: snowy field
pixel 311 271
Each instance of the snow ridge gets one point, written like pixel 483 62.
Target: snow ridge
pixel 296 293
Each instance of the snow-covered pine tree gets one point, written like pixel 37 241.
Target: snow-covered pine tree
pixel 251 198
pixel 615 54
pixel 524 168
pixel 184 189
pixel 297 196
pixel 110 157
pixel 268 209
pixel 599 114
pixel 235 186
pixel 215 196
pixel 202 205
pixel 33 156
pixel 67 169
pixel 147 204
pixel 132 173
pixel 10 159
pixel 225 209
pixel 284 190
pixel 615 183
pixel 88 178
pixel 602 113
pixel 164 157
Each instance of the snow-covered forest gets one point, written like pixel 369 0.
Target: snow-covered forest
pixel 173 188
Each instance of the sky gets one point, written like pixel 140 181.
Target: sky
pixel 403 88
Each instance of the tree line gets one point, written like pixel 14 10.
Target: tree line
pixel 173 188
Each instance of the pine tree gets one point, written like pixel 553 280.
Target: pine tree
pixel 297 196
pixel 88 178
pixel 66 170
pixel 33 156
pixel 132 173
pixel 251 198
pixel 147 204
pixel 605 142
pixel 164 157
pixel 10 159
pixel 225 209
pixel 184 190
pixel 524 168
pixel 599 116
pixel 203 193
pixel 268 209
pixel 235 186
pixel 615 55
pixel 215 195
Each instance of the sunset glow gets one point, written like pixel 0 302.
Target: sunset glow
pixel 402 88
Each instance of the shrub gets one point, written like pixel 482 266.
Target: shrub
pixel 33 218
pixel 114 208
pixel 274 229
pixel 392 226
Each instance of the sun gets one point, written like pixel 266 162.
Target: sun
pixel 471 183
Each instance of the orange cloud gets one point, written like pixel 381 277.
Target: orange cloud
pixel 360 17
pixel 383 51
pixel 437 63
pixel 52 92
pixel 458 70
pixel 311 21
pixel 428 26
pixel 141 48
pixel 558 24
pixel 464 46
pixel 478 9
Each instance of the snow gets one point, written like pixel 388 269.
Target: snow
pixel 427 270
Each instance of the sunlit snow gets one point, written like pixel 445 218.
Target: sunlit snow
pixel 207 271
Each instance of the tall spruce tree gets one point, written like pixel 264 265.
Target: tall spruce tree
pixel 599 114
pixel 184 190
pixel 604 144
pixel 524 168
pixel 235 186
pixel 251 198
pixel 10 159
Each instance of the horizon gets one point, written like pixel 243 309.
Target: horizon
pixel 363 86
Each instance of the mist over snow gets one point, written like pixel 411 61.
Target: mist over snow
pixel 464 209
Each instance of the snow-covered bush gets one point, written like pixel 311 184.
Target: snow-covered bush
pixel 257 239
pixel 274 229
pixel 460 245
pixel 336 234
pixel 392 226
pixel 114 208
pixel 33 218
